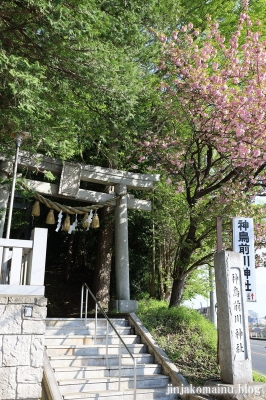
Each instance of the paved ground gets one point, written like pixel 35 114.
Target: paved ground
pixel 258 354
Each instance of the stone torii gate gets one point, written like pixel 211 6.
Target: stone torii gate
pixel 71 174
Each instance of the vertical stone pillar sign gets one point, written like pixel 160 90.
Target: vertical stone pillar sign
pixel 232 321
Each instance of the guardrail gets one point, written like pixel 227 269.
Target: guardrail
pixel 108 322
pixel 257 335
pixel 22 264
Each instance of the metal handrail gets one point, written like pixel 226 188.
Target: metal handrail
pixel 97 304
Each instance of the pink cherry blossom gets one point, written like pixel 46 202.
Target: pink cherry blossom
pixel 212 143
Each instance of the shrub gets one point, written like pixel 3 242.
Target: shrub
pixel 188 339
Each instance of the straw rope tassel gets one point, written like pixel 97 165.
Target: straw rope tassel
pixel 35 212
pixel 95 221
pixel 50 220
pixel 66 224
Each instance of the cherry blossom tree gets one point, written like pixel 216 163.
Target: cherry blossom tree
pixel 211 143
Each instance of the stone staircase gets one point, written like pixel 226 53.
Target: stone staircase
pixel 84 370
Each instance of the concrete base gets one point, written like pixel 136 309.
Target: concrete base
pixel 240 391
pixel 123 306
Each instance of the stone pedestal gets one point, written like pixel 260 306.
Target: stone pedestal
pixel 22 328
pixel 124 306
pixel 232 319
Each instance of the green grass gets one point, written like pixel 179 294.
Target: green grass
pixel 188 339
pixel 258 377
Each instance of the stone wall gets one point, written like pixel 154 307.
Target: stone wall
pixel 22 327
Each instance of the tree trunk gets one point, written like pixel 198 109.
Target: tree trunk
pixel 101 281
pixel 102 271
pixel 79 250
pixel 167 291
pixel 160 275
pixel 182 262
pixel 177 291
pixel 69 256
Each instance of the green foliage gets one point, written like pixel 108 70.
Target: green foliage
pixel 140 248
pixel 63 72
pixel 49 175
pixel 258 377
pixel 197 284
pixel 188 339
pixel 80 76
pixel 75 74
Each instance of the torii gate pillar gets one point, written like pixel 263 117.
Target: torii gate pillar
pixel 123 302
pixel 121 244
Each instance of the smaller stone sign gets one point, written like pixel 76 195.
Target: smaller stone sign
pixel 70 179
pixel 232 320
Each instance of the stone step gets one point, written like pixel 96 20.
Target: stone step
pixel 83 371
pixel 80 322
pixel 74 322
pixel 142 394
pixel 72 330
pixel 82 361
pixel 99 372
pixel 112 383
pixel 88 339
pixel 51 331
pixel 57 350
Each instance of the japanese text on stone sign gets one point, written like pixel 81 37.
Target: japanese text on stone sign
pixel 238 321
pixel 243 242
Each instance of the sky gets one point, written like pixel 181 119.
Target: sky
pixel 259 306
